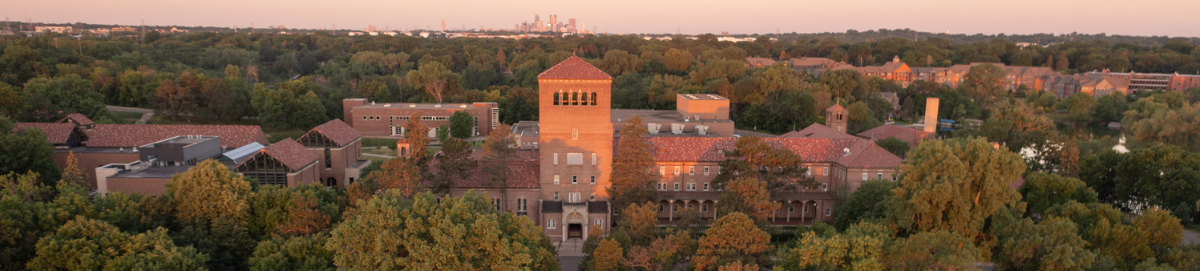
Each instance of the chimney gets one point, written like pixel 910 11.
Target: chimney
pixel 931 115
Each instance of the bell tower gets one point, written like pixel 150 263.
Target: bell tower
pixel 836 117
pixel 575 141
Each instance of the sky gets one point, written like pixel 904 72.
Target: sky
pixel 1123 17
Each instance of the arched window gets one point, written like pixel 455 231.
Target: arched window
pixel 556 98
pixel 584 99
pixel 575 98
pixel 593 98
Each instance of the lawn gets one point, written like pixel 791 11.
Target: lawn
pixel 379 142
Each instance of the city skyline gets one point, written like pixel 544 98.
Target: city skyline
pixel 1017 16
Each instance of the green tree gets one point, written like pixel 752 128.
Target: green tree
pixel 985 82
pixel 1162 230
pixel 732 238
pixel 51 99
pixel 634 176
pixel 677 60
pixel 462 125
pixel 396 232
pixel 1044 190
pixel 453 163
pixel 1016 127
pixel 854 250
pixel 435 80
pixel 954 186
pixel 87 244
pixel 842 84
pixel 894 146
pixel 869 202
pixel 27 150
pixel 754 158
pixel 1051 244
pixel 295 253
pixel 1081 106
pixel 935 250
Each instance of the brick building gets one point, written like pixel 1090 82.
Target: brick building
pixel 388 119
pixel 340 149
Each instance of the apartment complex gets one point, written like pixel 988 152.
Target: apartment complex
pixel 388 119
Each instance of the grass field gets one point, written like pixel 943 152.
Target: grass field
pixel 378 142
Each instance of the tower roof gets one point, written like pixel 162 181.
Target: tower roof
pixel 835 107
pixel 574 68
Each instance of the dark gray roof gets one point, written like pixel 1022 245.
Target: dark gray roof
pixel 552 207
pixel 597 207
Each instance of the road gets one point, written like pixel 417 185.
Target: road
pixel 146 113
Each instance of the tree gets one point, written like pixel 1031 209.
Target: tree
pixel 747 196
pixel 1162 230
pixel 453 163
pixel 894 146
pixel 400 174
pixel 985 82
pixel 738 266
pixel 954 186
pixel 462 125
pixel 868 202
pixel 608 256
pixel 677 60
pixel 1044 190
pixel 935 250
pixel 1051 244
pixel 27 150
pixel 434 79
pixel 209 192
pixel 860 248
pixel 396 232
pixel 295 253
pixel 640 222
pixel 87 244
pixel 732 238
pixel 1016 127
pixel 753 158
pixel 498 151
pixel 633 176
pixel 73 173
pixel 842 84
pixel 51 99
pixel 1081 106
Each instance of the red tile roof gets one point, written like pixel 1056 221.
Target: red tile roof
pixel 910 135
pixel 523 170
pixel 573 68
pixel 816 130
pixel 56 133
pixel 835 107
pixel 136 135
pixel 290 153
pixel 862 153
pixel 78 118
pixel 337 131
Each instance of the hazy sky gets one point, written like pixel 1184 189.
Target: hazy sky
pixel 1137 17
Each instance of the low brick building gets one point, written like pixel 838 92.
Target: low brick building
pixel 340 149
pixel 388 119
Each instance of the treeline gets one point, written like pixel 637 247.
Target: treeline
pixel 183 74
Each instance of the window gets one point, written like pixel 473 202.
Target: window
pixel 328 159
pixel 828 212
pixel 556 159
pixel 676 186
pixel 893 177
pixel 661 207
pixel 599 221
pixel 593 98
pixel 584 99
pixel 522 204
pixel 574 197
pixel 593 197
pixel 703 208
pixel 706 171
pixel 574 159
pixel 555 195
pixel 662 170
pixel 691 170
pixel 705 186
pixel 805 208
pixel 825 171
pixel 593 159
pixel 550 223
pixel 864 176
pixel 575 98
pixel 593 179
pixel 691 186
pixel 676 170
pixel 808 172
pixel 555 179
pixel 879 176
pixel 718 170
pixel 496 202
pixel 574 134
pixel 556 98
pixel 674 208
pixel 662 186
pixel 574 179
pixel 825 187
pixel 791 208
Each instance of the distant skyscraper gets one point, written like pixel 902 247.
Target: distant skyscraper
pixel 443 25
pixel 571 23
pixel 553 23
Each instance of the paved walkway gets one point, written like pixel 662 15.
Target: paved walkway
pixel 146 113
pixel 1190 238
pixel 570 254
pixel 378 155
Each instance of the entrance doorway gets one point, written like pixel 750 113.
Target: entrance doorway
pixel 575 231
pixel 331 182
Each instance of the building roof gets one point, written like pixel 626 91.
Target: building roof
pixel 337 131
pixel 835 107
pixel 523 169
pixel 552 207
pixel 574 68
pixel 816 130
pixel 290 153
pixel 134 135
pixel 910 135
pixel 759 61
pixel 56 133
pixel 78 118
pixel 700 97
pixel 597 207
pixel 850 152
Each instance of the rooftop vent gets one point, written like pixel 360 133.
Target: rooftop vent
pixel 438 105
pixel 412 105
pixel 846 151
pixel 463 106
pixel 387 105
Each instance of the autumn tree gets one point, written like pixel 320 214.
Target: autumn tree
pixel 399 174
pixel 209 192
pixel 753 158
pixel 607 257
pixel 88 244
pixel 747 196
pixel 935 250
pixel 73 173
pixel 498 152
pixel 859 248
pixel 677 60
pixel 633 176
pixel 398 232
pixel 294 253
pixel 954 186
pixel 1162 230
pixel 1051 244
pixel 732 238
pixel 640 222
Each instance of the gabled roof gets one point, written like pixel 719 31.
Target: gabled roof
pixel 574 68
pixel 816 130
pixel 910 135
pixel 135 135
pixel 290 153
pixel 56 133
pixel 861 153
pixel 759 61
pixel 78 118
pixel 835 107
pixel 338 132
